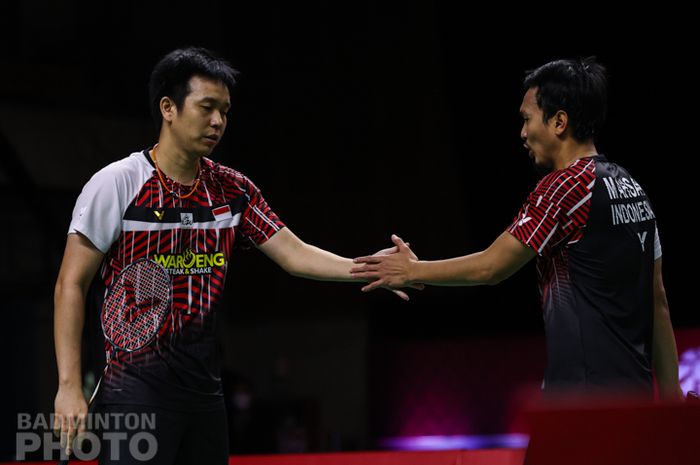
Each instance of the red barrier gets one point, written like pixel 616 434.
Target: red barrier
pixel 452 457
pixel 639 434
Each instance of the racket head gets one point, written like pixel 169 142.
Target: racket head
pixel 136 306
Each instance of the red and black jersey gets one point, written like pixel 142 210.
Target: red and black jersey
pixel 595 234
pixel 126 212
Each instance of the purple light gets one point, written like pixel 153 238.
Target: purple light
pixel 509 441
pixel 689 370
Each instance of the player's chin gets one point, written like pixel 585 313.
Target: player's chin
pixel 542 167
pixel 206 146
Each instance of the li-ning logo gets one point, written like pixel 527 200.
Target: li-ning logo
pixel 190 262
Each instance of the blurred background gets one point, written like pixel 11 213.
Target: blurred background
pixel 356 120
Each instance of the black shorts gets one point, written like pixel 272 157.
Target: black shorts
pixel 136 434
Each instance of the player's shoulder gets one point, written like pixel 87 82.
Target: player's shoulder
pixel 582 171
pixel 132 166
pixel 227 175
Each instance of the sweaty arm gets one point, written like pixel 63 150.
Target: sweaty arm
pixel 501 259
pixel 664 355
pixel 81 260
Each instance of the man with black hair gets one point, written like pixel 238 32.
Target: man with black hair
pixel 172 205
pixel 594 233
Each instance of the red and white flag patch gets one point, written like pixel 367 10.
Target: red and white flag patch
pixel 222 213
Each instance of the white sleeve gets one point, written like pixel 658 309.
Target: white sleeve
pixel 99 209
pixel 657 245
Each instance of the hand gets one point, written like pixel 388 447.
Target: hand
pixel 387 268
pixel 70 416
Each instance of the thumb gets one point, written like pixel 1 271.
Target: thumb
pixel 398 242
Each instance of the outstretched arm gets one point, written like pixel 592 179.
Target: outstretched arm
pixel 664 355
pixel 80 262
pixel 307 261
pixel 500 260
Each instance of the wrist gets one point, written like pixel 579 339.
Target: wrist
pixel 70 383
pixel 413 271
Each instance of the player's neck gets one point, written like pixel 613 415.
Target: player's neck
pixel 174 162
pixel 572 151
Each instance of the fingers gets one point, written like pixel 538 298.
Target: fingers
pixel 82 424
pixel 64 431
pixel 387 251
pixel 373 285
pixel 363 269
pixel 67 428
pixel 368 259
pixel 72 432
pixel 399 242
pixel 366 275
pixel 57 425
pixel 401 294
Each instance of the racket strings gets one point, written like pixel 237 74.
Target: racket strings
pixel 137 306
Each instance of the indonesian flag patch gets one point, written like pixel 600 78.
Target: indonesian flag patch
pixel 222 213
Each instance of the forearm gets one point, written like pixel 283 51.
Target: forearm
pixel 469 270
pixel 500 260
pixel 314 263
pixel 304 260
pixel 69 316
pixel 665 355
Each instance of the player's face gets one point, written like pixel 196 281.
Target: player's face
pixel 538 136
pixel 199 125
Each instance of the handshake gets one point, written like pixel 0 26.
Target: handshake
pixel 389 268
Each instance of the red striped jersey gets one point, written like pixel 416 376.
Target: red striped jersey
pixel 126 212
pixel 595 234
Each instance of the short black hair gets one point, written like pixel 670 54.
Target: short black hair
pixel 172 74
pixel 578 87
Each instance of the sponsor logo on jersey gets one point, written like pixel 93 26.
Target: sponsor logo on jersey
pixel 190 262
pixel 159 214
pixel 187 219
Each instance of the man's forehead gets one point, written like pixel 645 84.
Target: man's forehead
pixel 531 95
pixel 529 99
pixel 208 89
pixel 204 85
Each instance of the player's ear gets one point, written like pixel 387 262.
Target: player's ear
pixel 168 109
pixel 560 121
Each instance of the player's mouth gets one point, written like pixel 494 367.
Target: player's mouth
pixel 212 139
pixel 530 153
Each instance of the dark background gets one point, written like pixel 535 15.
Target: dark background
pixel 357 120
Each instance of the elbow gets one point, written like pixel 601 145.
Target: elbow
pixel 59 290
pixel 661 308
pixel 293 265
pixel 289 267
pixel 490 277
pixel 294 272
pixel 69 289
